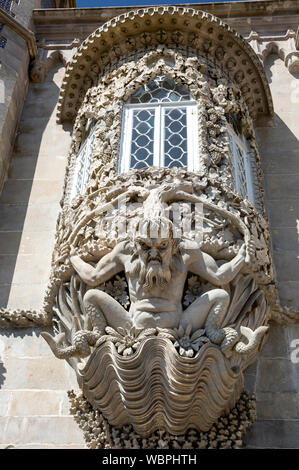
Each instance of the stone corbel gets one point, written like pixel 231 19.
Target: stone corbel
pixel 47 55
pixel 285 46
pixel 254 41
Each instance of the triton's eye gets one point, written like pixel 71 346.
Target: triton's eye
pixel 143 245
pixel 163 244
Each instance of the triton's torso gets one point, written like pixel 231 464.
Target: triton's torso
pixel 158 306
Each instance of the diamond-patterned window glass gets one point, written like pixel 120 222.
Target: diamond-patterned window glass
pixel 161 89
pixel 159 127
pixel 241 159
pixel 83 167
pixel 240 165
pixel 175 138
pixel 142 148
pixel 232 159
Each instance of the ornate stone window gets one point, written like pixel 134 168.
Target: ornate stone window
pixel 240 160
pixel 83 161
pixel 159 127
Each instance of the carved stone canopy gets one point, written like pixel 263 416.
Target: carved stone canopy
pixel 175 26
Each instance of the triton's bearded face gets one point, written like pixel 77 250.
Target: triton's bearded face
pixel 154 256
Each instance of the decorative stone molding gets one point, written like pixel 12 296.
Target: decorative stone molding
pixel 176 26
pixel 19 318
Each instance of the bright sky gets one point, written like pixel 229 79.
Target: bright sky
pixel 126 3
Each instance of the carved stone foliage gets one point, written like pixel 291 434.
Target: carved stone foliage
pixel 109 299
pixel 155 26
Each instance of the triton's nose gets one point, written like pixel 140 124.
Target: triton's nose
pixel 153 252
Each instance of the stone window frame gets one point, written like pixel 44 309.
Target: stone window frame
pixel 159 108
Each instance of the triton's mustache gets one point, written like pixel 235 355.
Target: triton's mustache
pixel 154 258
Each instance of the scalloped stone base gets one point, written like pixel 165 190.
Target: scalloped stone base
pixel 156 389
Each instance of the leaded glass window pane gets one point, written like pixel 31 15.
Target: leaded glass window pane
pixel 175 139
pixel 243 190
pixel 83 167
pixel 161 89
pixel 240 165
pixel 142 146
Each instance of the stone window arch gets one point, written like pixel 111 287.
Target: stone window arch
pixel 159 127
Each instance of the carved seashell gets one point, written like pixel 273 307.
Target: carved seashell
pixel 157 389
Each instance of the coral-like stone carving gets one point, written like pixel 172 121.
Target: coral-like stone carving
pixel 226 433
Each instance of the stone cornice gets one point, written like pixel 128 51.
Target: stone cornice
pixel 180 26
pixel 21 30
pixel 226 9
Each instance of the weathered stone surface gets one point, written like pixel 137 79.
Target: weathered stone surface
pixel 282 186
pixel 48 430
pixel 286 162
pixel 12 217
pixel 36 373
pixel 283 405
pixel 286 239
pixel 41 217
pixel 277 343
pixel 283 213
pixel 287 265
pixel 7 267
pixel 273 434
pixel 28 269
pixel 289 292
pixel 277 375
pixel 23 343
pixel 10 242
pixel 16 191
pixel 35 403
pixel 5 399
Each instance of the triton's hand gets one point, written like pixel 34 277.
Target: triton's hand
pixel 250 251
pixel 243 251
pixel 64 251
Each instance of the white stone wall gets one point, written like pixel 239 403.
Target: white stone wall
pixel 33 383
pixel 275 378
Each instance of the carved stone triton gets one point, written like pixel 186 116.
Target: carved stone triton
pixel 155 300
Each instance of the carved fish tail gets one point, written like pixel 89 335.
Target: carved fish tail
pixel 97 319
pixel 80 347
pixel 254 339
pixel 62 352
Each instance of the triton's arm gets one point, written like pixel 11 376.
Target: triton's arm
pixel 206 267
pixel 106 268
